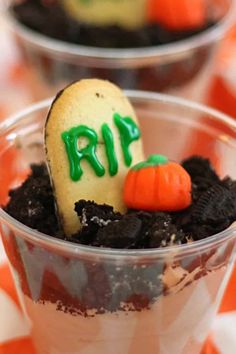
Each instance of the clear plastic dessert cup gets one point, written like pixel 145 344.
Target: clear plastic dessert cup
pixel 182 68
pixel 87 300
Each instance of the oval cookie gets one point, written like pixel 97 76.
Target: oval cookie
pixel 91 138
pixel 126 13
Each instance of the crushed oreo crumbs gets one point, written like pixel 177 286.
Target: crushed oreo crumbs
pixel 213 209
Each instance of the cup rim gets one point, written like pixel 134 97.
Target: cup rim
pixel 115 57
pixel 74 248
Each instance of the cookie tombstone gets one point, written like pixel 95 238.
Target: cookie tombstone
pixel 91 139
pixel 126 13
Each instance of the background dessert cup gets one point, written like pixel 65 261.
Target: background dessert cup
pixel 182 68
pixel 81 299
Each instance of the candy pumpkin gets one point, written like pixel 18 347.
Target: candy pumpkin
pixel 157 185
pixel 177 14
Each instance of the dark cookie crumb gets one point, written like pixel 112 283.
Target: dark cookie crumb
pixel 202 174
pixel 33 202
pixel 198 166
pixel 213 207
pixel 164 233
pixel 92 218
pixel 102 227
pixel 121 233
pixel 49 18
pixel 158 230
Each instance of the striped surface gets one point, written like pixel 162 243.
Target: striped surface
pixel 14 332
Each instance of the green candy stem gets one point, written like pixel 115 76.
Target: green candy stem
pixel 153 160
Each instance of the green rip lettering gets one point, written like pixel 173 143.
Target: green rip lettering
pixel 128 131
pixel 75 155
pixel 110 149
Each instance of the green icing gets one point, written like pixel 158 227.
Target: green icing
pixel 75 155
pixel 129 132
pixel 110 149
pixel 153 160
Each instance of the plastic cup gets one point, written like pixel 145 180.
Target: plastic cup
pixel 182 68
pixel 87 300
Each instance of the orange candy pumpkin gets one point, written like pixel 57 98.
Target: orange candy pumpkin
pixel 157 185
pixel 177 14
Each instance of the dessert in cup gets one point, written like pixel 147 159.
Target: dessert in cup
pixel 115 247
pixel 157 45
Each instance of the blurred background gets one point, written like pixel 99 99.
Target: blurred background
pixel 188 49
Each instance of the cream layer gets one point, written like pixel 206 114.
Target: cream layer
pixel 177 323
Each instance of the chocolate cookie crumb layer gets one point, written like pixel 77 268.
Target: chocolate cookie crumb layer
pixel 213 209
pixel 33 202
pixel 49 19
